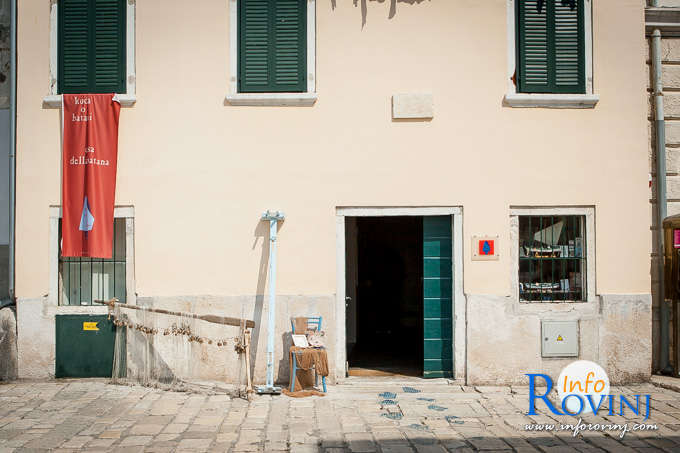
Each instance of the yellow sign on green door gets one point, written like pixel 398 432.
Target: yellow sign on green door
pixel 90 326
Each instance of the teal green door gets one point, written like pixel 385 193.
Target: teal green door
pixel 84 346
pixel 437 297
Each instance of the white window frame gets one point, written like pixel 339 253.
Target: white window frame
pixel 589 214
pixel 128 99
pixel 307 98
pixel 126 212
pixel 550 100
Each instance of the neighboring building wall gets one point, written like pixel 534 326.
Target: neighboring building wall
pixel 199 173
pixel 4 147
pixel 8 325
pixel 4 202
pixel 670 59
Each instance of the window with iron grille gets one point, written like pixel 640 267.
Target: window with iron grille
pixel 551 46
pixel 552 258
pixel 82 280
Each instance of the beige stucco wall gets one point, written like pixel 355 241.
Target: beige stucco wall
pixel 199 172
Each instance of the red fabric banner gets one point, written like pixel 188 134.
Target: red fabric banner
pixel 89 174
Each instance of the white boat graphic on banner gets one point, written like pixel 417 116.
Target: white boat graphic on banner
pixel 86 218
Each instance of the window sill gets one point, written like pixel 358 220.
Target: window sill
pixel 272 99
pixel 82 309
pixel 553 302
pixel 53 101
pixel 551 101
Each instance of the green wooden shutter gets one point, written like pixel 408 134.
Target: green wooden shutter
pixel 437 297
pixel 92 46
pixel 551 49
pixel 74 38
pixel 109 46
pixel 272 46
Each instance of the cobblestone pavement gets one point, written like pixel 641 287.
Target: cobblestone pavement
pixel 362 416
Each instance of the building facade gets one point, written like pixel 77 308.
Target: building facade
pixel 465 184
pixel 663 30
pixel 8 350
pixel 4 146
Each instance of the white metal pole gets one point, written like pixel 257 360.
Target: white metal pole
pixel 272 301
pixel 273 217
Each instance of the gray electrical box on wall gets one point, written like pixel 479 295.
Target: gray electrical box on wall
pixel 559 338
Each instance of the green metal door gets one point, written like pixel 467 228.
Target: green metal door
pixel 437 297
pixel 84 346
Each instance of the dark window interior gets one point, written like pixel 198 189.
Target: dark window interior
pixel 552 258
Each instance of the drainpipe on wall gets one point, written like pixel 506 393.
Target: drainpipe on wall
pixel 660 124
pixel 12 143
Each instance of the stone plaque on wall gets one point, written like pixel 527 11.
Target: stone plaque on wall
pixel 412 106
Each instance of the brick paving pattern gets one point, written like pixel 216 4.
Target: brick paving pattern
pixel 92 415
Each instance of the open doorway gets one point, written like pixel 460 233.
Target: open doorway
pixel 384 305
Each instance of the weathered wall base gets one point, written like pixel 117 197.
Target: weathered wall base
pixel 8 344
pixel 172 357
pixel 36 335
pixel 504 337
pixel 210 362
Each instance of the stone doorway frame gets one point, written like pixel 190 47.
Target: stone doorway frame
pixel 457 296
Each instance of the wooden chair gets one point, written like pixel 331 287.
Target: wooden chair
pixel 314 321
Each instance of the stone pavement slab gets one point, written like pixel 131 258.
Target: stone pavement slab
pixel 92 415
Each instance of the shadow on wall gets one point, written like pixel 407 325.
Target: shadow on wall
pixel 364 7
pixel 261 234
pixel 146 362
pixel 255 334
pixel 284 363
pixel 160 361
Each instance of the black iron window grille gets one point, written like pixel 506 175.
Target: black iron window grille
pixel 82 280
pixel 552 258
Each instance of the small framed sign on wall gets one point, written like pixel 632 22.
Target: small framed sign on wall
pixel 484 248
